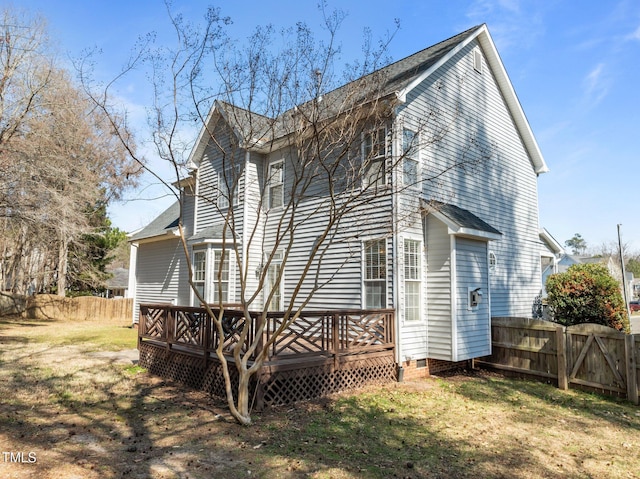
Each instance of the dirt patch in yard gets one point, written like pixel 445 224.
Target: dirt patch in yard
pixel 82 410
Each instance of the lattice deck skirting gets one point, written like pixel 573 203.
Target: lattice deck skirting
pixel 275 386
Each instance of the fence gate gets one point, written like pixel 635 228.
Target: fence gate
pixel 596 358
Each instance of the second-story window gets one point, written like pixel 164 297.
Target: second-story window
pixel 276 184
pixel 374 153
pixel 410 162
pixel 228 185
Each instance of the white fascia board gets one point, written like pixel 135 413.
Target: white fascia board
pixel 171 234
pixel 506 88
pixel 509 94
pixel 196 152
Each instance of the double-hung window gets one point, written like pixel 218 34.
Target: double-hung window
pixel 374 153
pixel 412 280
pixel 375 274
pixel 228 185
pixel 220 276
pixel 276 184
pixel 211 284
pixel 199 273
pixel 410 162
pixel 274 282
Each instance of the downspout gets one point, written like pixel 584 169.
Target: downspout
pixel 454 300
pixel 196 193
pixel 394 242
pixel 245 212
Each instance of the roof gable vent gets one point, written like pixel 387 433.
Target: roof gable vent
pixel 477 60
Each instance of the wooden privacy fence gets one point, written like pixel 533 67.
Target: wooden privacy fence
pixel 82 308
pixel 585 356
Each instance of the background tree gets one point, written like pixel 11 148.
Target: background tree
pixel 587 293
pixel 577 244
pixel 283 92
pixel 58 159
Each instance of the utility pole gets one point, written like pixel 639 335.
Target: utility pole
pixel 624 274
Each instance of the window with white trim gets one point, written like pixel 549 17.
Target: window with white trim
pixel 228 185
pixel 493 262
pixel 375 274
pixel 410 161
pixel 199 273
pixel 374 153
pixel 412 284
pixel 273 285
pixel 276 184
pixel 220 283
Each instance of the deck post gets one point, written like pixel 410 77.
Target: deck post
pixel 207 337
pixel 169 329
pixel 335 332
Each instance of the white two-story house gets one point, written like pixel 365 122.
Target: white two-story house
pixel 444 225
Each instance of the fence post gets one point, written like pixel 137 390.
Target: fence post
pixel 561 346
pixel 632 382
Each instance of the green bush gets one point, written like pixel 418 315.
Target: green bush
pixel 587 293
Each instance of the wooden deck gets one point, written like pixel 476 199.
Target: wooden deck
pixel 321 353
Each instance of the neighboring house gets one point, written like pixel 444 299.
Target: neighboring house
pixel 447 255
pixel 554 258
pixel 118 284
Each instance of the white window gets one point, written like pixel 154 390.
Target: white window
pixel 276 184
pixel 212 285
pixel 410 157
pixel 220 276
pixel 493 262
pixel 199 273
pixel 375 274
pixel 412 285
pixel 374 153
pixel 228 185
pixel 273 285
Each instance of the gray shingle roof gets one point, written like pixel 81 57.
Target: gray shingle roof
pixel 163 224
pixel 379 84
pixel 461 217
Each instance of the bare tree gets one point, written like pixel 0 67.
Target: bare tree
pixel 335 143
pixel 58 159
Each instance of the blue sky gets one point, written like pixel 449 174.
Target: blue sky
pixel 575 66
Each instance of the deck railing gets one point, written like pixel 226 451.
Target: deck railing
pixel 314 333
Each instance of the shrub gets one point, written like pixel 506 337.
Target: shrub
pixel 587 293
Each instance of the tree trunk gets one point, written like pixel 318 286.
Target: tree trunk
pixel 62 266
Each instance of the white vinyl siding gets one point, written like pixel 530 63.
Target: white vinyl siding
pixel 439 277
pixel 497 181
pixel 161 274
pixel 473 325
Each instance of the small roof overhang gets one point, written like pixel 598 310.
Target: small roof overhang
pixel 460 222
